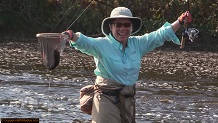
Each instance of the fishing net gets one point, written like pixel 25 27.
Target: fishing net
pixel 51 46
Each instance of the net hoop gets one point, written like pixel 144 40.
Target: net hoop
pixel 51 46
pixel 50 35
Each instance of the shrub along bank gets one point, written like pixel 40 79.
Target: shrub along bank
pixel 23 19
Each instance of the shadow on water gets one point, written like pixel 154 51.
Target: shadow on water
pixel 173 86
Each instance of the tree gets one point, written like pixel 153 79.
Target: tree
pixel 28 17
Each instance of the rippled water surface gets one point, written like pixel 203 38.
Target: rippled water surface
pixel 173 86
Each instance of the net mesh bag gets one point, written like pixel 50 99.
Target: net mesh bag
pixel 51 45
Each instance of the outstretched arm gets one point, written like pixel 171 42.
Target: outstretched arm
pixel 176 25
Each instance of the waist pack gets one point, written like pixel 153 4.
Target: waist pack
pixel 87 95
pixel 86 98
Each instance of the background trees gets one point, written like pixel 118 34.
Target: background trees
pixel 25 18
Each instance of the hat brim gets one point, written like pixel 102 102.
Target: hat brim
pixel 136 21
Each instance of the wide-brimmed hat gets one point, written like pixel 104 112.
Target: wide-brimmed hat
pixel 121 12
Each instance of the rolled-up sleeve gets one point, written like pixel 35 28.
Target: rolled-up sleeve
pixel 170 34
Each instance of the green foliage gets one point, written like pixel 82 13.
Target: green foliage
pixel 28 17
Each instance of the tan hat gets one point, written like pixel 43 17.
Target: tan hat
pixel 121 12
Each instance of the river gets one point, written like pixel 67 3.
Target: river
pixel 173 86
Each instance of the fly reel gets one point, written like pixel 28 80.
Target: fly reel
pixel 192 33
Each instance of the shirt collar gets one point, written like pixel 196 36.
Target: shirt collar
pixel 116 43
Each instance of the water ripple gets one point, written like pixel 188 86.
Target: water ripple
pixel 173 86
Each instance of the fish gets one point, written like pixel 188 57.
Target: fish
pixel 56 60
pixel 51 46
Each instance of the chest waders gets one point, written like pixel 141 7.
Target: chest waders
pixel 122 97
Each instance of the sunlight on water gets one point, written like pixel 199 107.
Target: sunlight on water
pixel 173 86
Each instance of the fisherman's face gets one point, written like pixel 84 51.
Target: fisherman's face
pixel 121 29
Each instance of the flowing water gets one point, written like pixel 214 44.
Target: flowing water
pixel 173 86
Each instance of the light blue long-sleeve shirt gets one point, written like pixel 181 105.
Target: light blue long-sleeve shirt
pixel 114 63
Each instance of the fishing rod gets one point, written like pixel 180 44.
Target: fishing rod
pixel 185 28
pixel 56 46
pixel 86 69
pixel 64 15
pixel 192 33
pixel 80 14
pixel 73 16
pixel 51 52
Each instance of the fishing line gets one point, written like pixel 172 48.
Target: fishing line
pixel 64 14
pixel 51 101
pixel 49 87
pixel 77 52
pixel 80 14
pixel 86 69
pixel 73 16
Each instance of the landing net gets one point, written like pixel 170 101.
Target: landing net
pixel 51 46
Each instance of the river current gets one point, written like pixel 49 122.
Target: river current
pixel 173 86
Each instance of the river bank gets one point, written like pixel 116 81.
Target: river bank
pixel 174 85
pixel 167 61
